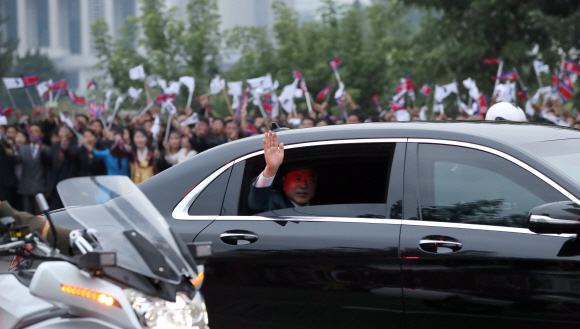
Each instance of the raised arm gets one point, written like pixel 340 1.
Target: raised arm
pixel 273 154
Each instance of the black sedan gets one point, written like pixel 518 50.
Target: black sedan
pixel 412 225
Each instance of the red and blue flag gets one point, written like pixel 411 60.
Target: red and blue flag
pixel 296 75
pixel 335 63
pixel 60 85
pixel 4 112
pixel 323 93
pixel 251 129
pixel 488 61
pixel 91 83
pixel 571 67
pixel 77 100
pixel 30 80
pixel 482 104
pixel 425 90
pixel 511 75
pixel 396 106
pixel 94 110
pixel 566 89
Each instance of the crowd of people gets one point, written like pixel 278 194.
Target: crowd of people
pixel 38 150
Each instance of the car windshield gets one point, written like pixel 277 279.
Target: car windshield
pixel 564 155
pixel 113 205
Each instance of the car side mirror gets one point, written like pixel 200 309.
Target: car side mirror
pixel 555 218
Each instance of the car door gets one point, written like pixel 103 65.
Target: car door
pixel 319 266
pixel 468 259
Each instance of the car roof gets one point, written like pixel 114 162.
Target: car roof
pixel 512 133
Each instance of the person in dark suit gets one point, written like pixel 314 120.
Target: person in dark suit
pixel 299 182
pixel 85 162
pixel 35 160
pixel 61 167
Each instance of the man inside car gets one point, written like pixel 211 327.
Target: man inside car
pixel 299 182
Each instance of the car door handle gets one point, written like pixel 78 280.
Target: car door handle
pixel 237 238
pixel 434 243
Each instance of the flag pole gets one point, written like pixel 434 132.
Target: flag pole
pixel 539 80
pixel 10 95
pixel 145 109
pixel 307 96
pixel 169 118
pixel 189 98
pixel 499 68
pixel 520 80
pixel 337 75
pixel 29 97
pixel 146 88
pixel 228 101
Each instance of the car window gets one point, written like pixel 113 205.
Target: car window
pixel 463 185
pixel 209 201
pixel 351 181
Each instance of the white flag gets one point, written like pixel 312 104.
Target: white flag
pixel 235 88
pixel 256 96
pixel 134 93
pixel 42 88
pixel 138 72
pixel 540 67
pixel 506 92
pixel 441 92
pixel 267 82
pixel 118 103
pixel 189 82
pixel 286 98
pixel 162 83
pixel 66 120
pixel 170 107
pixel 438 107
pixel 470 85
pixel 3 121
pixel 152 81
pixel 216 85
pixel 275 85
pixel 12 83
pixel 193 119
pixel 173 88
pixel 299 93
pixel 400 97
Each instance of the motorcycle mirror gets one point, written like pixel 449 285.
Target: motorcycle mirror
pixel 41 201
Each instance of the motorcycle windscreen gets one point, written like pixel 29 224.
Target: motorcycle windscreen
pixel 127 223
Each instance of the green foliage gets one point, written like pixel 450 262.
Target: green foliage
pixel 378 45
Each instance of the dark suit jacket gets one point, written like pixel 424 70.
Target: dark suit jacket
pixel 266 199
pixel 34 170
pixel 8 178
pixel 85 165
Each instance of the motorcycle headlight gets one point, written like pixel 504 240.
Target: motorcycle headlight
pixel 156 313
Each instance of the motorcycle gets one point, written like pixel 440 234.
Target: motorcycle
pixel 130 270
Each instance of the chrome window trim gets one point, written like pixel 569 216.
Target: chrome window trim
pixel 502 155
pixel 480 227
pixel 314 219
pixel 181 210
